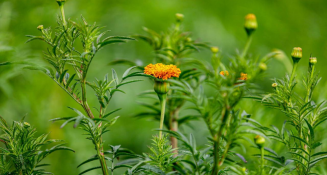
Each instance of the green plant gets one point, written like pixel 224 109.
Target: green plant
pixel 173 46
pixel 304 116
pixel 23 151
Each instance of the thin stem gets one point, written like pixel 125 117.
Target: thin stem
pixel 215 155
pixel 162 117
pixel 262 161
pixel 293 73
pixel 309 84
pixel 247 46
pixel 84 102
pixel 112 165
pixel 102 160
pixel 63 15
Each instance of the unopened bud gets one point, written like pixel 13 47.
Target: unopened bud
pixel 250 23
pixel 259 141
pixel 274 85
pixel 296 54
pixel 263 66
pixel 40 27
pixel 189 39
pixel 26 124
pixel 179 17
pixel 214 49
pixel 312 60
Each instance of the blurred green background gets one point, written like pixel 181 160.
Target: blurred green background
pixel 282 25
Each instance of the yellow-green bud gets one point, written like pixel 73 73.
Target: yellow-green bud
pixel 214 49
pixel 250 23
pixel 40 27
pixel 26 124
pixel 188 39
pixel 296 54
pixel 243 169
pixel 312 60
pixel 274 85
pixel 179 17
pixel 259 141
pixel 263 66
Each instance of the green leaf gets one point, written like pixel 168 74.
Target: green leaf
pixel 128 82
pixel 115 77
pixel 88 160
pixel 111 112
pixel 127 72
pixel 90 169
pixel 312 134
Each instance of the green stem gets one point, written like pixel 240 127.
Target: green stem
pixel 262 160
pixel 63 15
pixel 217 137
pixel 247 46
pixel 162 117
pixel 309 84
pixel 112 166
pixel 293 73
pixel 215 155
pixel 84 102
pixel 102 161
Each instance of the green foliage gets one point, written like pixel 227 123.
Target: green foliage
pixel 304 116
pixel 23 151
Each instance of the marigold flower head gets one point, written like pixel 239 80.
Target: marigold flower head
pixel 162 71
pixel 224 73
pixel 243 76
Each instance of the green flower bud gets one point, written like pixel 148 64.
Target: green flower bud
pixel 214 49
pixel 40 27
pixel 312 60
pixel 259 141
pixel 179 17
pixel 189 39
pixel 263 66
pixel 296 54
pixel 250 23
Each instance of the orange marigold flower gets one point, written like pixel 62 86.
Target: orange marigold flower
pixel 162 71
pixel 224 73
pixel 243 76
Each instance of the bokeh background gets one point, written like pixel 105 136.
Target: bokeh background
pixel 282 25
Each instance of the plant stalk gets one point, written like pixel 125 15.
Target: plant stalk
pixel 102 161
pixel 162 117
pixel 262 160
pixel 63 15
pixel 247 46
pixel 174 127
